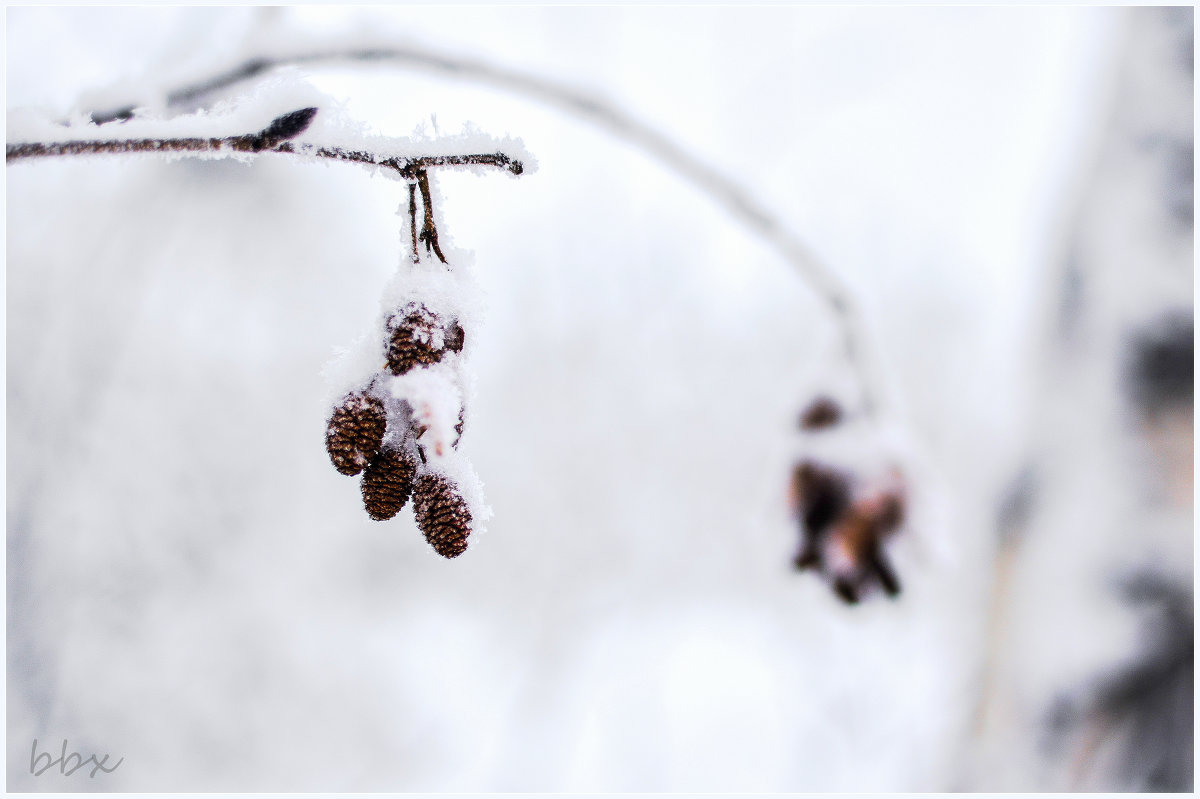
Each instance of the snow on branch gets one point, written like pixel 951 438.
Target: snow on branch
pixel 275 138
pixel 336 139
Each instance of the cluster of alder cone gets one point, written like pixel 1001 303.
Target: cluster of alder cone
pixel 844 520
pixel 372 433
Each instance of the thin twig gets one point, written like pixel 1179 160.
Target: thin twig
pixel 734 197
pixel 429 231
pixel 252 143
pixel 274 138
pixel 412 219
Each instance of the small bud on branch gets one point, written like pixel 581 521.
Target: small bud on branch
pixel 289 126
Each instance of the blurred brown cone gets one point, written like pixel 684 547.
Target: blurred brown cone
pixel 355 432
pixel 844 524
pixel 411 338
pixel 388 483
pixel 821 413
pixel 442 514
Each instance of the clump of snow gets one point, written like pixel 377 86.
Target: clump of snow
pixel 460 471
pixel 248 113
pixel 449 291
pixel 435 399
pixel 344 372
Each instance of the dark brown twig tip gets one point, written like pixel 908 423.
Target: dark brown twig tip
pixel 429 231
pixel 289 126
pixel 807 558
pixel 846 591
pixel 821 413
pixel 458 428
pixel 516 167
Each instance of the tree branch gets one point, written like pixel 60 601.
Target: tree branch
pixel 429 231
pixel 275 138
pixel 737 200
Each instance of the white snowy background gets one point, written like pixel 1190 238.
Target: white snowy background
pixel 193 587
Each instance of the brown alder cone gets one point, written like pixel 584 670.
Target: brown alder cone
pixel 411 337
pixel 844 525
pixel 823 412
pixel 388 483
pixel 355 432
pixel 442 514
pixel 859 536
pixel 821 496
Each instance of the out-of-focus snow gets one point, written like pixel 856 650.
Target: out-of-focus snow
pixel 192 587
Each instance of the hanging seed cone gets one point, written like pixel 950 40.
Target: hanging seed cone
pixel 442 514
pixel 411 339
pixel 823 412
pixel 355 432
pixel 387 484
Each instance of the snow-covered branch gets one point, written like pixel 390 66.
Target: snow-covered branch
pixel 275 138
pixel 278 137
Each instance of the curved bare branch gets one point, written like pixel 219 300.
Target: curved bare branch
pixel 736 199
